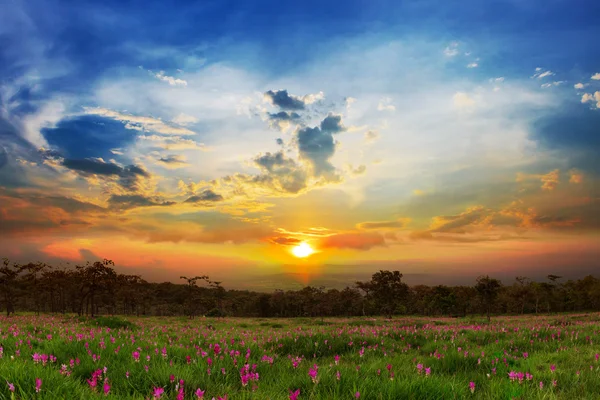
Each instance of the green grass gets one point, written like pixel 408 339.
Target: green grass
pixel 458 351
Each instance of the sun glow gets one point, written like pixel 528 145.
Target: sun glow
pixel 302 250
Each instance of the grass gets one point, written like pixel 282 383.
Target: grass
pixel 457 351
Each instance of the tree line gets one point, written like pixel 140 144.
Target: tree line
pixel 96 288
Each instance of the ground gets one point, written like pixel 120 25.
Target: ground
pixel 530 357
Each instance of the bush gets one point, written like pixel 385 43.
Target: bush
pixel 113 323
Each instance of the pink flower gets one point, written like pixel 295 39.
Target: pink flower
pixel 541 385
pixel 157 392
pixel 294 395
pixel 472 387
pixel 11 387
pixel 38 385
pixel 200 393
pixel 357 395
pixel 427 371
pixel 106 387
pixel 313 373
pixel 172 378
pixel 552 368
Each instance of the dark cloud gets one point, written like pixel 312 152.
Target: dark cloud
pixel 279 172
pixel 283 100
pixel 284 116
pixel 92 167
pixel 125 202
pixel 129 176
pixel 284 241
pixel 204 196
pixel 279 141
pixel 316 145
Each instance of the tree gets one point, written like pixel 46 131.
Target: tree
pixel 9 275
pixel 193 301
pixel 388 291
pixel 487 289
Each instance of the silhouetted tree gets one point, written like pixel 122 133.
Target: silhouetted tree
pixel 488 289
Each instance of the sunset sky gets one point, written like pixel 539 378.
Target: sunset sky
pixel 442 140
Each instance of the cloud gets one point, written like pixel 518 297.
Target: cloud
pixel 549 180
pixel 172 142
pixel 171 80
pixel 472 65
pixel 540 74
pixel 555 83
pixel 129 201
pixel 281 99
pixel 596 76
pixel 128 176
pixel 206 195
pixel 451 50
pixel 575 176
pixel 285 241
pixel 589 98
pixel 139 123
pixel 463 100
pixel 371 136
pixel 184 119
pixel 317 146
pixel 393 224
pixel 282 119
pixel 173 161
pixel 385 104
pixel 580 85
pixel 353 240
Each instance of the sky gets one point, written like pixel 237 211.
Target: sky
pixel 216 137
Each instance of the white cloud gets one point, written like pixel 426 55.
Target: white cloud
pixel 138 122
pixel 579 85
pixel 473 65
pixel 451 50
pixel 311 98
pixel 589 98
pixel 596 76
pixel 184 119
pixel 540 75
pixel 385 104
pixel 555 83
pixel 463 100
pixel 171 80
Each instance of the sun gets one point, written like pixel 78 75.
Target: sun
pixel 302 250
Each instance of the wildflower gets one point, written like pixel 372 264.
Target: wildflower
pixel 172 378
pixel 427 371
pixel 312 372
pixel 554 383
pixel 180 394
pixel 127 374
pixel 541 385
pixel 525 355
pixel 11 387
pixel 157 392
pixel 419 368
pixel 336 358
pixel 200 393
pixel 136 356
pixel 552 368
pixel 106 387
pixel 38 385
pixel 357 395
pixel 294 395
pixel 389 367
pixel 338 376
pixel 472 387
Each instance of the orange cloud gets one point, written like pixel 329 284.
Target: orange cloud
pixel 353 240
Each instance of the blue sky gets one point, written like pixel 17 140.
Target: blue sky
pixel 373 130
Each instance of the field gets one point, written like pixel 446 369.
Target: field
pixel 545 357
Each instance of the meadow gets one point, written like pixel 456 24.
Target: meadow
pixel 530 357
